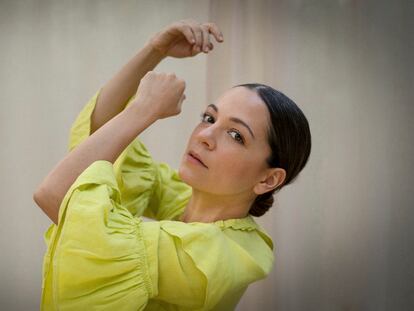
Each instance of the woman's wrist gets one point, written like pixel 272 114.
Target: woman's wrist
pixel 155 53
pixel 136 110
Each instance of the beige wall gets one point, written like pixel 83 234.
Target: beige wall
pixel 343 231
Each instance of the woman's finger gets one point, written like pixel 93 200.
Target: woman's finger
pixel 187 32
pixel 206 38
pixel 213 28
pixel 183 97
pixel 197 34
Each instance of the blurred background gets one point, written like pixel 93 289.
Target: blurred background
pixel 343 232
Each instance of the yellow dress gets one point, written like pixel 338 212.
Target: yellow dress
pixel 102 255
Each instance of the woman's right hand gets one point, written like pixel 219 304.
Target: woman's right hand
pixel 160 94
pixel 185 38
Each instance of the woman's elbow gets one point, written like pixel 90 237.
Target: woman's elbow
pixel 47 204
pixel 39 196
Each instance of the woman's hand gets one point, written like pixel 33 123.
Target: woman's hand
pixel 160 94
pixel 185 38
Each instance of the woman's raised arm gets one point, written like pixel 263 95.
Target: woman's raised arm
pixel 116 92
pixel 185 38
pixel 159 96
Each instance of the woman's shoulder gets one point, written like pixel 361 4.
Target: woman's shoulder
pixel 230 252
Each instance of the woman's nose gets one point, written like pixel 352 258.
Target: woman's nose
pixel 206 137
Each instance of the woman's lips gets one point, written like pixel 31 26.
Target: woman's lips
pixel 193 159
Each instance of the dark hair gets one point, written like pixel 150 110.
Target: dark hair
pixel 289 138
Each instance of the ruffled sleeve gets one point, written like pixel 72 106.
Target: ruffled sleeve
pixel 95 255
pixel 100 256
pixel 147 187
pixel 227 265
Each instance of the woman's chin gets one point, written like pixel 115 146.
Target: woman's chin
pixel 184 174
pixel 189 175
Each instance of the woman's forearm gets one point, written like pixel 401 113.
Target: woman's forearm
pixel 116 92
pixel 107 143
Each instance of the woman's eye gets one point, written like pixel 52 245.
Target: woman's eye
pixel 204 115
pixel 237 137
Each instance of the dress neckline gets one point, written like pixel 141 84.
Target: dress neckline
pixel 245 223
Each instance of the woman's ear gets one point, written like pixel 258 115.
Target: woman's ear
pixel 273 178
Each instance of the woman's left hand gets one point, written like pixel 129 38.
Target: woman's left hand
pixel 185 38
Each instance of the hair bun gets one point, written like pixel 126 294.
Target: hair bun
pixel 262 204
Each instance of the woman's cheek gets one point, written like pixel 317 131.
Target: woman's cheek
pixel 234 169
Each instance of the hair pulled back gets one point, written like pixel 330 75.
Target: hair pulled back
pixel 289 138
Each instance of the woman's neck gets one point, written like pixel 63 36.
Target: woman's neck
pixel 205 207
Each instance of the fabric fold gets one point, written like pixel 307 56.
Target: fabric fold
pixel 213 254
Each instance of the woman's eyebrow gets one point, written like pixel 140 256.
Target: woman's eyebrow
pixel 237 120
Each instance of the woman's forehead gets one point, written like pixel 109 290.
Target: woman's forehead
pixel 241 98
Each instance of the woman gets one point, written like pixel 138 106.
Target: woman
pixel 204 248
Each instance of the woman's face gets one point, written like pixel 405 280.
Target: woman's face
pixel 234 156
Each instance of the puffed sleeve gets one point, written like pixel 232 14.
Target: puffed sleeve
pixel 95 255
pixel 147 187
pixel 101 257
